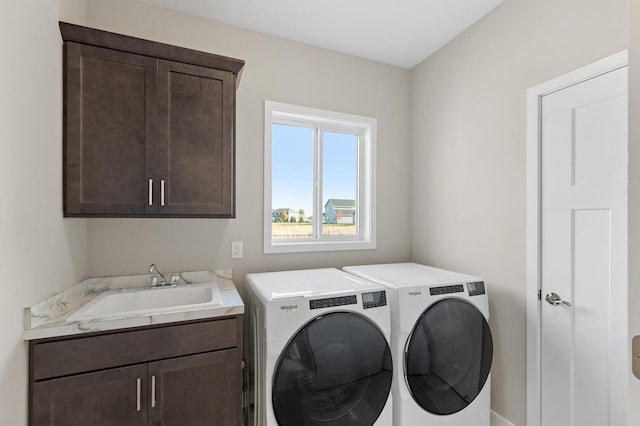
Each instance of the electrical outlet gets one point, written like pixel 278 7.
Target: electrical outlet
pixel 236 250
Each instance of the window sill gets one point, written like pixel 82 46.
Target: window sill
pixel 314 246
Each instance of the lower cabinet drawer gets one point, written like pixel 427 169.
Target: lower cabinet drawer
pixel 77 355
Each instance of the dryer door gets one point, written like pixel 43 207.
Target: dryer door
pixel 448 356
pixel 335 371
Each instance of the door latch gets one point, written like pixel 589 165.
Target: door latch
pixel 635 356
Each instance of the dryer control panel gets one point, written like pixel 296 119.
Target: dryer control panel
pixel 475 289
pixel 369 300
pixel 447 289
pixel 333 301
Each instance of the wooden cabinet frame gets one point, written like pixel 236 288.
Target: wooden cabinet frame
pixel 145 372
pixel 136 142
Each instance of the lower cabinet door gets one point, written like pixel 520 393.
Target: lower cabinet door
pixel 114 397
pixel 196 390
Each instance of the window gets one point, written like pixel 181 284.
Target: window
pixel 319 179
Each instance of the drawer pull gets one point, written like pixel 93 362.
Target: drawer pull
pixel 162 192
pixel 153 391
pixel 150 192
pixel 138 394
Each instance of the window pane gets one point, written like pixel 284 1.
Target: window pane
pixel 339 183
pixel 291 182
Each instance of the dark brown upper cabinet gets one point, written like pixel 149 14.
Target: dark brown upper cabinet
pixel 149 128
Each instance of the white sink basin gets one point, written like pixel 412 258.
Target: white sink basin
pixel 142 301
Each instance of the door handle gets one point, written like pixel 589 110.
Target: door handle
pixel 162 192
pixel 150 192
pixel 153 391
pixel 635 360
pixel 555 300
pixel 138 394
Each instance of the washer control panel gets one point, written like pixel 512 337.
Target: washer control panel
pixel 447 289
pixel 374 299
pixel 333 301
pixel 476 288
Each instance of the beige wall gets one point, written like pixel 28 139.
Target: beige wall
pixel 276 70
pixel 40 252
pixel 634 197
pixel 466 187
pixel 468 153
pixel 43 253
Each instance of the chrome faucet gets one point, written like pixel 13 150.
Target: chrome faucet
pixel 154 280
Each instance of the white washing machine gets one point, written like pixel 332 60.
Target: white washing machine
pixel 441 344
pixel 321 354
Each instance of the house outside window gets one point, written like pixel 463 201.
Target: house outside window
pixel 340 211
pixel 319 180
pixel 287 215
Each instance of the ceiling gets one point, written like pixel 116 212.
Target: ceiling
pixel 396 32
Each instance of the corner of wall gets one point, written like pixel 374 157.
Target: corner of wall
pixel 498 420
pixel 74 11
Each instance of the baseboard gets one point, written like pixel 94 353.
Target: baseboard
pixel 498 420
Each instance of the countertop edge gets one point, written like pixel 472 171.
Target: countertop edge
pixel 48 318
pixel 71 329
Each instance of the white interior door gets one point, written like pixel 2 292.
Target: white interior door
pixel 583 271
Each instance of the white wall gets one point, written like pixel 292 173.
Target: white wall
pixel 40 252
pixel 468 153
pixel 276 70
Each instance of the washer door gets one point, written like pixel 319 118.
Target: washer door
pixel 335 371
pixel 448 356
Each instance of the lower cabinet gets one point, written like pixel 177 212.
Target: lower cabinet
pixel 201 389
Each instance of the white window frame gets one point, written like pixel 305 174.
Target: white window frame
pixel 365 127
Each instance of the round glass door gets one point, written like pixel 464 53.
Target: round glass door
pixel 448 356
pixel 335 371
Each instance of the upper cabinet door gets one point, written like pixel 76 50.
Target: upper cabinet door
pixel 196 141
pixel 110 125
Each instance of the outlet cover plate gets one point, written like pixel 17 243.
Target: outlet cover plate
pixel 236 250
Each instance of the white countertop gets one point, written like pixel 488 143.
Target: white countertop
pixel 49 318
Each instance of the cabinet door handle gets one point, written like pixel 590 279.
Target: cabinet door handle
pixel 138 394
pixel 162 192
pixel 150 192
pixel 153 391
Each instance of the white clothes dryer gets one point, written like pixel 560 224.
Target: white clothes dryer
pixel 321 353
pixel 441 344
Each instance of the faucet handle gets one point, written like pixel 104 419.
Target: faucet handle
pixel 174 279
pixel 152 281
